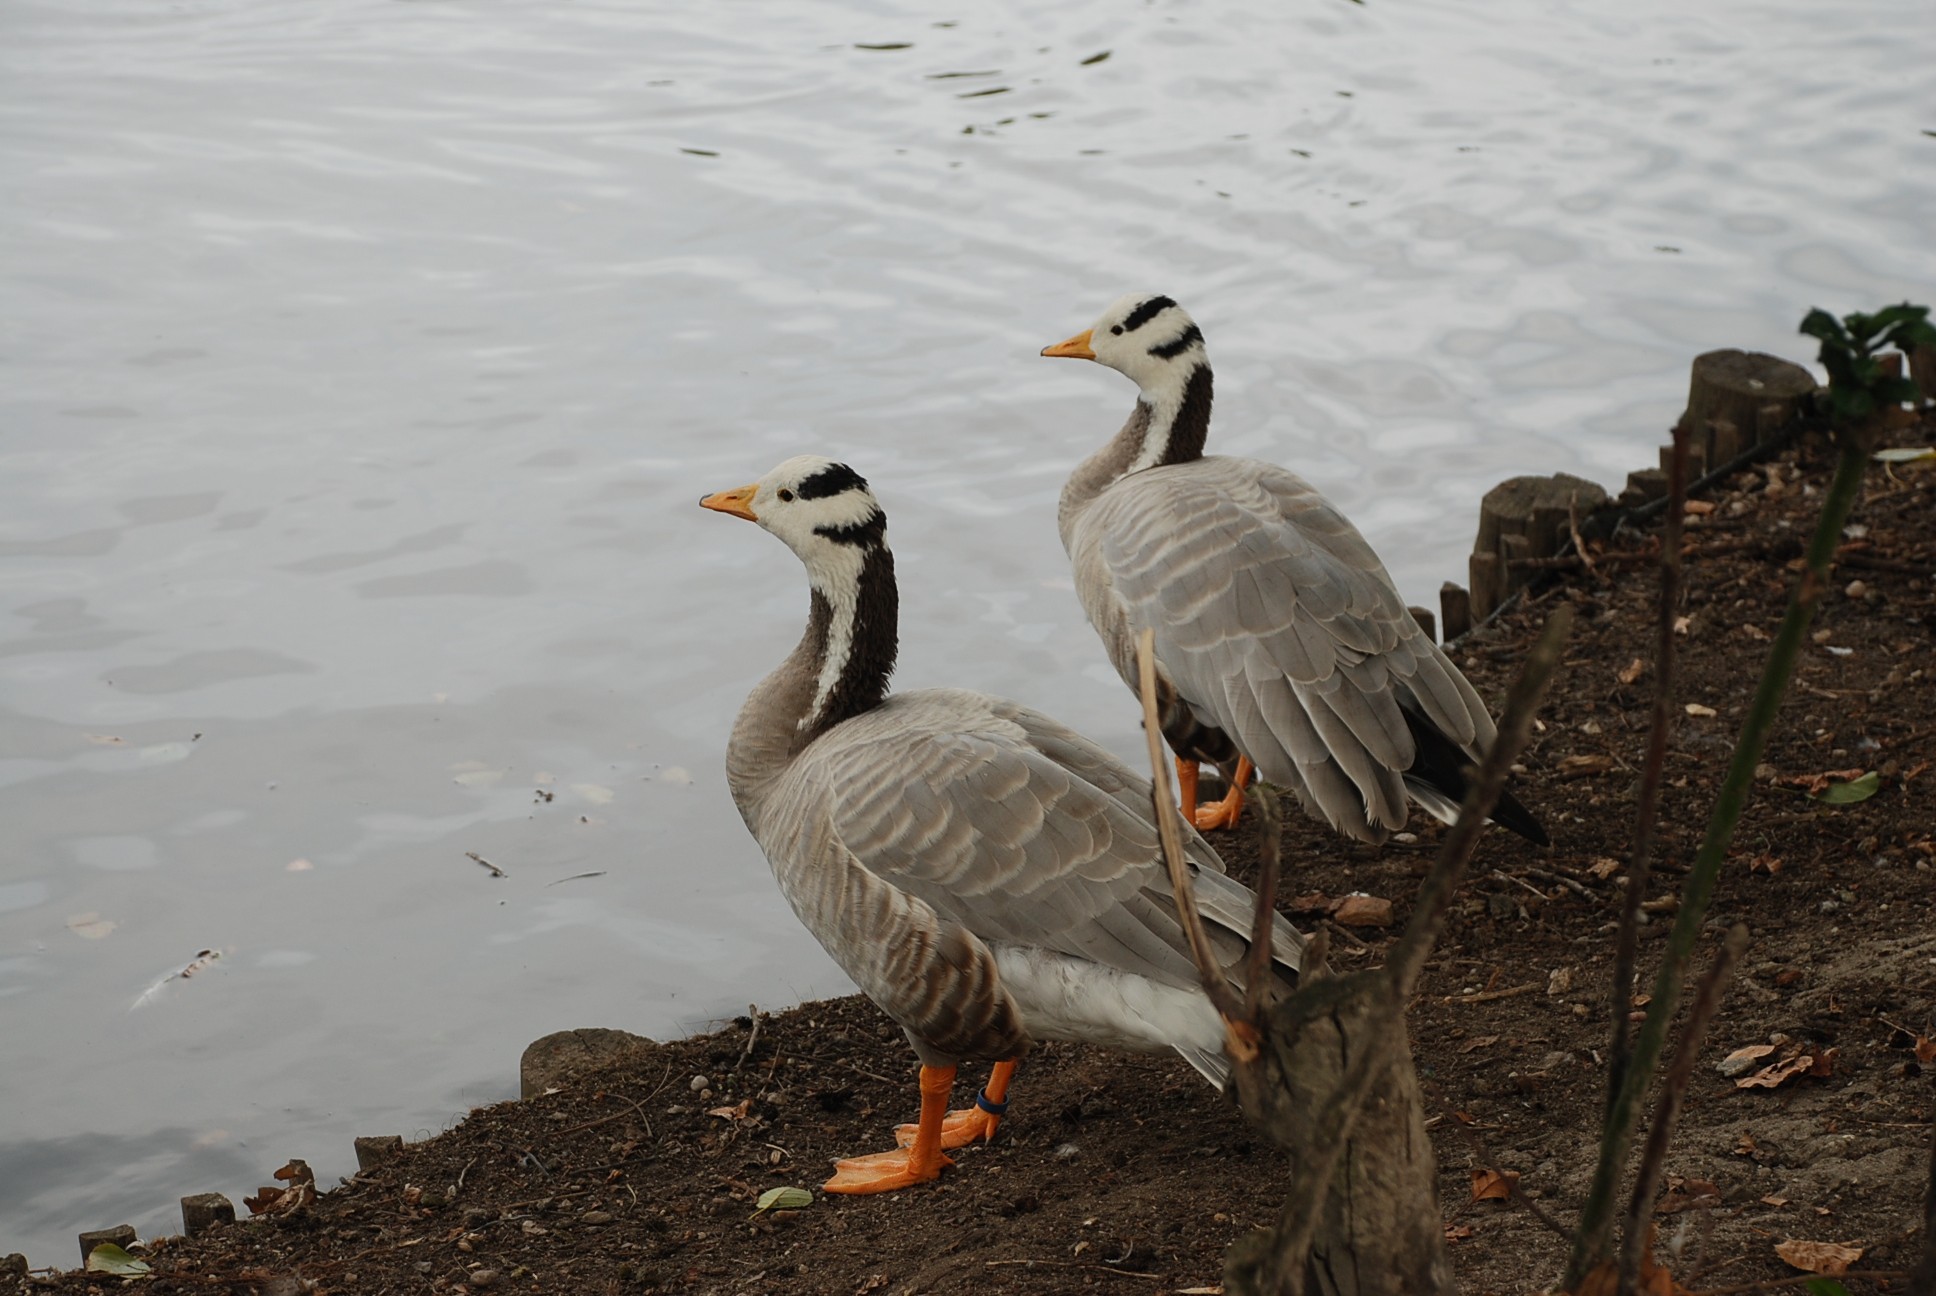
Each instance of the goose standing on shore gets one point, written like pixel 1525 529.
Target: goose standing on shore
pixel 1281 643
pixel 987 876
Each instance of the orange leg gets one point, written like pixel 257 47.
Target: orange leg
pixel 960 1128
pixel 1224 813
pixel 903 1167
pixel 1186 782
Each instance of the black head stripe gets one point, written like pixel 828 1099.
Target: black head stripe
pixel 871 531
pixel 1171 350
pixel 831 480
pixel 1148 311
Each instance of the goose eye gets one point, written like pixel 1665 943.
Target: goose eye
pixel 1117 329
pixel 786 496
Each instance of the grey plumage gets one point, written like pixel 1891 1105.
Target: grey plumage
pixel 1277 628
pixel 986 875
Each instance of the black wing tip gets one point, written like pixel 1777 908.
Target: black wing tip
pixel 1511 815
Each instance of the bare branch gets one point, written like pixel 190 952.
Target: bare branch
pixel 1626 949
pixel 1407 959
pixel 1270 822
pixel 1216 983
pixel 1707 1001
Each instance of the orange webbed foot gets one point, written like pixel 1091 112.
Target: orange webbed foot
pixel 884 1171
pixel 958 1128
pixel 1225 813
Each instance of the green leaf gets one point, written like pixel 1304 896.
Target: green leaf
pixel 783 1199
pixel 1851 792
pixel 1818 323
pixel 1907 454
pixel 111 1259
pixel 1825 1287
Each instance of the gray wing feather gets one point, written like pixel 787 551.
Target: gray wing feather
pixel 1253 582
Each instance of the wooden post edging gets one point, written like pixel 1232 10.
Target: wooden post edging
pixel 1742 407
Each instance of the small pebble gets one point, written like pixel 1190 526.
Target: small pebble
pixel 698 1083
pixel 595 1217
pixel 1856 589
pixel 1067 1152
pixel 481 1277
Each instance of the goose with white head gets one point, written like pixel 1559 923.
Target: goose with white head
pixel 988 877
pixel 1282 645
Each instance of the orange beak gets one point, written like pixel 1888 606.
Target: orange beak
pixel 737 502
pixel 1076 348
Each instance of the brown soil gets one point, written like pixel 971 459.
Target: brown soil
pixel 1121 1173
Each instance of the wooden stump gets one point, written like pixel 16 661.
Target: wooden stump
pixel 1748 389
pixel 1922 367
pixel 1378 1229
pixel 1524 517
pixel 121 1235
pixel 204 1211
pixel 1455 610
pixel 372 1150
pixel 1427 622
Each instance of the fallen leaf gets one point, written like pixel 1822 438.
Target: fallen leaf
pixel 1361 910
pixel 1905 454
pixel 1696 709
pixel 783 1199
pixel 1493 1185
pixel 1818 1257
pixel 1768 864
pixel 1807 1063
pixel 1559 981
pixel 1689 1195
pixel 281 1201
pixel 1453 1233
pixel 1925 1049
pixel 735 1113
pixel 1603 868
pixel 1315 903
pixel 1631 671
pixel 1738 1062
pixel 1860 789
pixel 1578 767
pixel 1815 784
pixel 111 1259
pixel 1772 1200
pixel 1478 1042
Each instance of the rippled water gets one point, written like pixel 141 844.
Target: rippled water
pixel 363 363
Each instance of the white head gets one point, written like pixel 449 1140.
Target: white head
pixel 821 509
pixel 1146 336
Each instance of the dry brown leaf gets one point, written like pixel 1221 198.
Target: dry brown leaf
pixel 281 1201
pixel 1631 671
pixel 1478 1042
pixel 1772 1200
pixel 1925 1049
pixel 1578 767
pixel 1493 1185
pixel 1315 903
pixel 1360 910
pixel 1818 1257
pixel 1689 1195
pixel 1455 1233
pixel 1738 1062
pixel 1813 783
pixel 1768 864
pixel 1604 867
pixel 1808 1062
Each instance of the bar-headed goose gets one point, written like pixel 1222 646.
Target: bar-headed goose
pixel 987 876
pixel 1280 640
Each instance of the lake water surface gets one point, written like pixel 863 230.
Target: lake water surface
pixel 362 363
